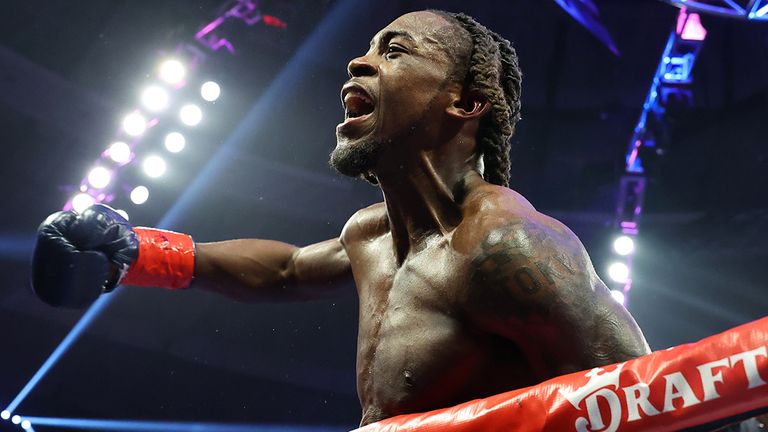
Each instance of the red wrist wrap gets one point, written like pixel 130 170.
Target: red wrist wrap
pixel 166 259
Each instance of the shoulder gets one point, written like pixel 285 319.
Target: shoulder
pixel 526 257
pixel 365 223
pixel 500 217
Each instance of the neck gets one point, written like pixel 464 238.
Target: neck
pixel 423 198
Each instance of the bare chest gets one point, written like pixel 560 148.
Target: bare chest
pixel 416 348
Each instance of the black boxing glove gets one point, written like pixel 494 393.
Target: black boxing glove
pixel 78 257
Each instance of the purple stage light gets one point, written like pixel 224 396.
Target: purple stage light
pixel 246 11
pixel 689 26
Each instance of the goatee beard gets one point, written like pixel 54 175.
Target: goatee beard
pixel 356 160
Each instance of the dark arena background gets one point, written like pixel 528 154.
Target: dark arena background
pixel 644 129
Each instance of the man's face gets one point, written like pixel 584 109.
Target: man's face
pixel 396 93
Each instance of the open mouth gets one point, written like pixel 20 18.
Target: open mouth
pixel 358 107
pixel 357 104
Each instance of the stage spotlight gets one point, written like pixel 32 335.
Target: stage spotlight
pixel 210 91
pixel 15 419
pixel 26 424
pixel 82 201
pixel 154 166
pixel 619 272
pixel 175 142
pixel 172 71
pixel 134 124
pixel 139 195
pixel 190 115
pixel 5 415
pixel 123 213
pixel 119 152
pixel 99 177
pixel 154 98
pixel 618 296
pixel 624 245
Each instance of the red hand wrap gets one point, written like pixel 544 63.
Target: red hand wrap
pixel 166 259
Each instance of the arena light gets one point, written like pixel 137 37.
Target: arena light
pixel 624 245
pixel 618 296
pixel 82 201
pixel 134 124
pixel 154 166
pixel 5 415
pixel 210 91
pixel 172 71
pixel 154 98
pixel 168 426
pixel 762 11
pixel 99 177
pixel 175 142
pixel 139 195
pixel 190 114
pixel 16 419
pixel 619 272
pixel 26 424
pixel 119 152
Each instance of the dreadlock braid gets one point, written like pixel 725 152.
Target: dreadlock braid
pixel 493 71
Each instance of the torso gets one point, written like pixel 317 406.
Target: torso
pixel 417 348
pixel 417 351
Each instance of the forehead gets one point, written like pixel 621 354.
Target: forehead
pixel 423 27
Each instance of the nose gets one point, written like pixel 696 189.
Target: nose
pixel 360 66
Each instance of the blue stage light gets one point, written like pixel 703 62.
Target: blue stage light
pixel 678 69
pixel 65 344
pixel 167 426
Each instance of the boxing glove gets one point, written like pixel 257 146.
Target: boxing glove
pixel 78 257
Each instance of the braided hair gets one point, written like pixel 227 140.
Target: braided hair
pixel 492 70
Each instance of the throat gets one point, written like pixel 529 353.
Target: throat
pixel 420 203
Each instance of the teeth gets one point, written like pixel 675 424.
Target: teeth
pixel 365 98
pixel 359 94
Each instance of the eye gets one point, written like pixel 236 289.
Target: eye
pixel 394 49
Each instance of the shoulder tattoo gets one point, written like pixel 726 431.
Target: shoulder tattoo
pixel 526 258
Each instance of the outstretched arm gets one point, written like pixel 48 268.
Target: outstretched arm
pixel 534 284
pixel 255 270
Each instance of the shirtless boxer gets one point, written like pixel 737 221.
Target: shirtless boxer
pixel 465 289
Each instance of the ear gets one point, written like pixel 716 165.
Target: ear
pixel 468 105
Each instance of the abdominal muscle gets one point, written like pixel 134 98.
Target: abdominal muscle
pixel 420 360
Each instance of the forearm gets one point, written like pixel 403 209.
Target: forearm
pixel 248 270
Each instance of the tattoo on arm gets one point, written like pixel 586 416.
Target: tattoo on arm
pixel 526 275
pixel 524 258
